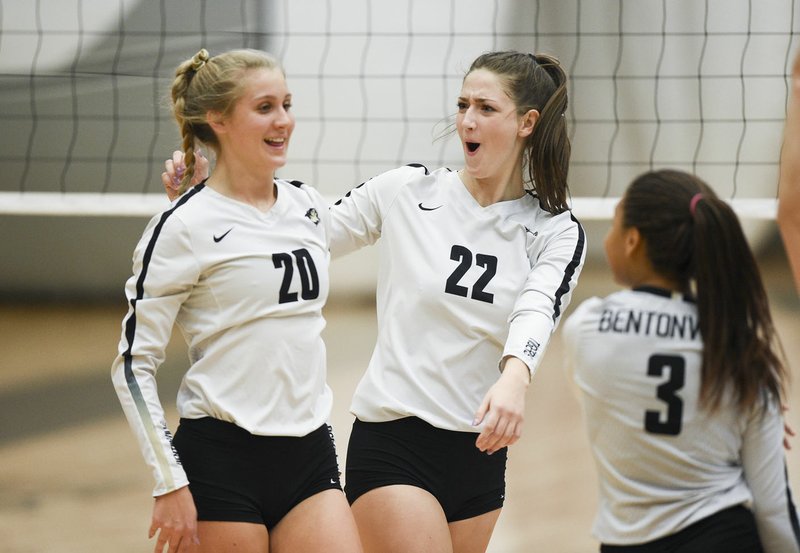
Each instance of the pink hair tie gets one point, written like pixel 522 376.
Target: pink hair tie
pixel 693 203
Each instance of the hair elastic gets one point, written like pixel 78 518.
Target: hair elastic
pixel 693 202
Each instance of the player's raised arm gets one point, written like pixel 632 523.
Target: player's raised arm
pixel 789 185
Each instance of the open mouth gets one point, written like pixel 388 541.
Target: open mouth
pixel 472 146
pixel 275 142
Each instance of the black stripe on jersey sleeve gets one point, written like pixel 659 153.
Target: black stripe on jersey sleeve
pixel 569 272
pixel 130 325
pixel 348 193
pixel 414 165
pixel 130 333
pixel 790 506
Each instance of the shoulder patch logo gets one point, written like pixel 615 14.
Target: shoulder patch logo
pixel 313 216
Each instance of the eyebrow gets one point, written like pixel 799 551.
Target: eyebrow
pixel 271 98
pixel 480 100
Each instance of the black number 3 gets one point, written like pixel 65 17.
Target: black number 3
pixel 667 392
pixel 464 257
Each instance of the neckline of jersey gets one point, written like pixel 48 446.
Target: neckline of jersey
pixel 664 293
pixel 274 211
pixel 506 206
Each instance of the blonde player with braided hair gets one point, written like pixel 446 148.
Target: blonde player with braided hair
pixel 681 381
pixel 240 264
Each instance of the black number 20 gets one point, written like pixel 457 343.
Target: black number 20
pixel 464 257
pixel 667 392
pixel 309 279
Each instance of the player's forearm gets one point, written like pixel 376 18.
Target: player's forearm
pixel 789 185
pixel 514 369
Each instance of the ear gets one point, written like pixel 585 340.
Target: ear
pixel 634 243
pixel 216 121
pixel 527 122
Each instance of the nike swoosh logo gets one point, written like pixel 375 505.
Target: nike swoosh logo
pixel 423 208
pixel 218 238
pixel 535 234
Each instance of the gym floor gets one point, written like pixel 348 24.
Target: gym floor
pixel 72 478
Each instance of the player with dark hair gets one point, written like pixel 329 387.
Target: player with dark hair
pixel 682 381
pixel 253 466
pixel 476 269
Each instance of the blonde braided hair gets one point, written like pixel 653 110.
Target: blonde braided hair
pixel 204 84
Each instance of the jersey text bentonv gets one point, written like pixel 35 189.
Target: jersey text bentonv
pixel 663 462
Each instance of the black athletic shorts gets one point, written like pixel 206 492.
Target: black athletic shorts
pixel 235 476
pixel 466 481
pixel 731 530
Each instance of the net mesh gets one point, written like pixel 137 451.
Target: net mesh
pixel 694 85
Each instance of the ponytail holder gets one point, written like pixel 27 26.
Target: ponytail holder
pixel 199 59
pixel 693 202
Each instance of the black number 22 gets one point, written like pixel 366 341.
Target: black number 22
pixel 464 257
pixel 667 392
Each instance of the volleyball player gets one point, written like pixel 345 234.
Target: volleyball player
pixel 475 272
pixel 681 391
pixel 240 264
pixel 789 185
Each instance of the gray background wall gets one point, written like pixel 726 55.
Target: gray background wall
pixel 374 83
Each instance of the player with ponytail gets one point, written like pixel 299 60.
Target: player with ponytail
pixel 682 381
pixel 253 465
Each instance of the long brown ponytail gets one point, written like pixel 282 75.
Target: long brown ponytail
pixel 538 82
pixel 692 236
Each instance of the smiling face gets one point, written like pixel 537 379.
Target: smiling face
pixel 492 134
pixel 256 133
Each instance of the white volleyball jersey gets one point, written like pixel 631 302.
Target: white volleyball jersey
pixel 246 289
pixel 460 287
pixel 663 462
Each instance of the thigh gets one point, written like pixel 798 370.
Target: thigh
pixel 238 537
pixel 322 522
pixel 401 518
pixel 472 535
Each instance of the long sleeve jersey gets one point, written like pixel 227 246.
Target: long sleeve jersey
pixel 460 287
pixel 246 290
pixel 663 462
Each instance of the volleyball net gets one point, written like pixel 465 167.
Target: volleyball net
pixel 698 85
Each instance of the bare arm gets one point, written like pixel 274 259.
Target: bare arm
pixel 789 185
